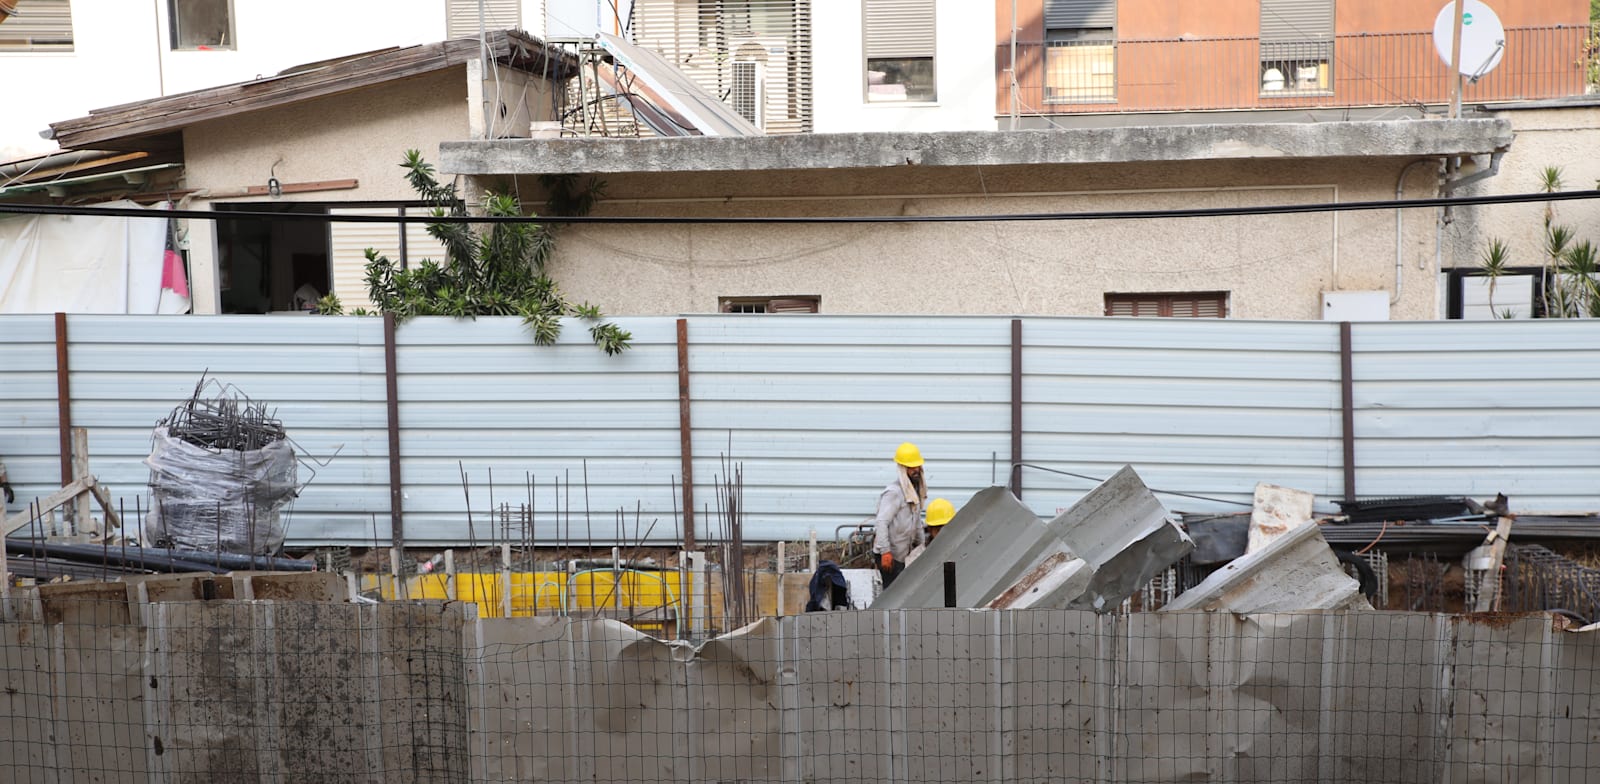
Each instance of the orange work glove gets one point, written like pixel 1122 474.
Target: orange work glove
pixel 887 560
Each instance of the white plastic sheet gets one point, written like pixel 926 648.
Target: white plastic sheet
pixel 85 264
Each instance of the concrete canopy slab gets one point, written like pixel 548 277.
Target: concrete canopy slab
pixel 1127 144
pixel 1123 532
pixel 1092 556
pixel 1296 572
pixel 991 536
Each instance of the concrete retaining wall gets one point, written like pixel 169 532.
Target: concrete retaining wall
pixel 98 687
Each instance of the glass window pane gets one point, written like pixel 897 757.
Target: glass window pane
pixel 902 79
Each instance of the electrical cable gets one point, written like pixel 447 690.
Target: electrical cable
pixel 1375 541
pixel 1206 212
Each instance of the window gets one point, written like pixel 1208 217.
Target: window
pixel 37 26
pixel 462 17
pixel 805 304
pixel 201 24
pixel 898 37
pixel 1080 51
pixel 1296 47
pixel 1188 304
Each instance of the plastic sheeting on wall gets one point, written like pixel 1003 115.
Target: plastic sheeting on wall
pixel 87 264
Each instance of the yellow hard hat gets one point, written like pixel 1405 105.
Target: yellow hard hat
pixel 908 455
pixel 940 511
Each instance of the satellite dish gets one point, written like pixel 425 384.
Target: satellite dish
pixel 1483 38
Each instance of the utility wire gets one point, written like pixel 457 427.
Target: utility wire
pixel 1211 212
pixel 1098 480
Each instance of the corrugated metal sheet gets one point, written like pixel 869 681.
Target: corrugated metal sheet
pixel 815 423
pixel 1197 406
pixel 30 442
pixel 479 396
pixel 815 405
pixel 324 376
pixel 1478 408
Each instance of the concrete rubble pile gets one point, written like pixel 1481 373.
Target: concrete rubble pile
pixel 1110 544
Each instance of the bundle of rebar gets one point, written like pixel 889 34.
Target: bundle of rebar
pixel 738 586
pixel 226 420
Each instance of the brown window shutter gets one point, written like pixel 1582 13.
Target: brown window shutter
pixel 1202 304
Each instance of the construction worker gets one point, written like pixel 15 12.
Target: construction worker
pixel 898 526
pixel 940 512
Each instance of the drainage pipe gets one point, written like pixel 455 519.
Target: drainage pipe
pixel 1399 218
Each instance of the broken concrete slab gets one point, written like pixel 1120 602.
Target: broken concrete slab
pixel 1124 534
pixel 1092 556
pixel 1275 511
pixel 991 538
pixel 1295 572
pixel 1054 582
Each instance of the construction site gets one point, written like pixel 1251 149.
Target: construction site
pixel 219 569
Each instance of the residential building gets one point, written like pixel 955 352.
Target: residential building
pixel 324 139
pixel 63 58
pixel 911 103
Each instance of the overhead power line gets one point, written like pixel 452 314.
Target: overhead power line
pixel 1195 212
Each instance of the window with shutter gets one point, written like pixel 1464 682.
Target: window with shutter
pixel 1296 47
pixel 898 39
pixel 708 39
pixel 462 17
pixel 201 24
pixel 800 304
pixel 37 26
pixel 1197 304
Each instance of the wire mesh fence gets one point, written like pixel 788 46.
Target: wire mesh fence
pixel 105 682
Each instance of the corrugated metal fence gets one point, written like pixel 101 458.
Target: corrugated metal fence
pixel 813 406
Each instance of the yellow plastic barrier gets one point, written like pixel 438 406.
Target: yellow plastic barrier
pixel 547 592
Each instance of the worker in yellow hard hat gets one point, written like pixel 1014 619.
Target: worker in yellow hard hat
pixel 898 526
pixel 939 513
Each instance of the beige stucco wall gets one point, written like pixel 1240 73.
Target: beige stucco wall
pixel 360 135
pixel 1568 138
pixel 1272 266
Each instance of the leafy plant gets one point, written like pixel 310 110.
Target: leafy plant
pixel 1496 258
pixel 497 272
pixel 329 305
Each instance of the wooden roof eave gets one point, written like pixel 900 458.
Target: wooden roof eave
pixel 115 127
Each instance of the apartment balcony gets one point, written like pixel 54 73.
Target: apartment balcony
pixel 1359 70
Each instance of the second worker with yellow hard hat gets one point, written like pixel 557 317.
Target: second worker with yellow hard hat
pixel 898 525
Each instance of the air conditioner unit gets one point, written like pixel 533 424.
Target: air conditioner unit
pixel 747 92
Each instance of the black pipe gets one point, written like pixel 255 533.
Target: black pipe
pixel 949 583
pixel 91 554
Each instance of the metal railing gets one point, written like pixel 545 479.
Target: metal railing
pixel 1377 69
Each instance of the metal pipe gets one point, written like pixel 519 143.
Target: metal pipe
pixel 1016 408
pixel 64 398
pixel 391 385
pixel 1399 217
pixel 142 559
pixel 1348 409
pixel 685 432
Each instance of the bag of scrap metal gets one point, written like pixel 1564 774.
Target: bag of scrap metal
pixel 219 500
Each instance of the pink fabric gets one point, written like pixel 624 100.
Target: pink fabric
pixel 172 276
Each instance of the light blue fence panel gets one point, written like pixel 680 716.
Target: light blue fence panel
pixel 321 376
pixel 815 406
pixel 30 436
pixel 1207 407
pixel 1480 407
pixel 478 396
